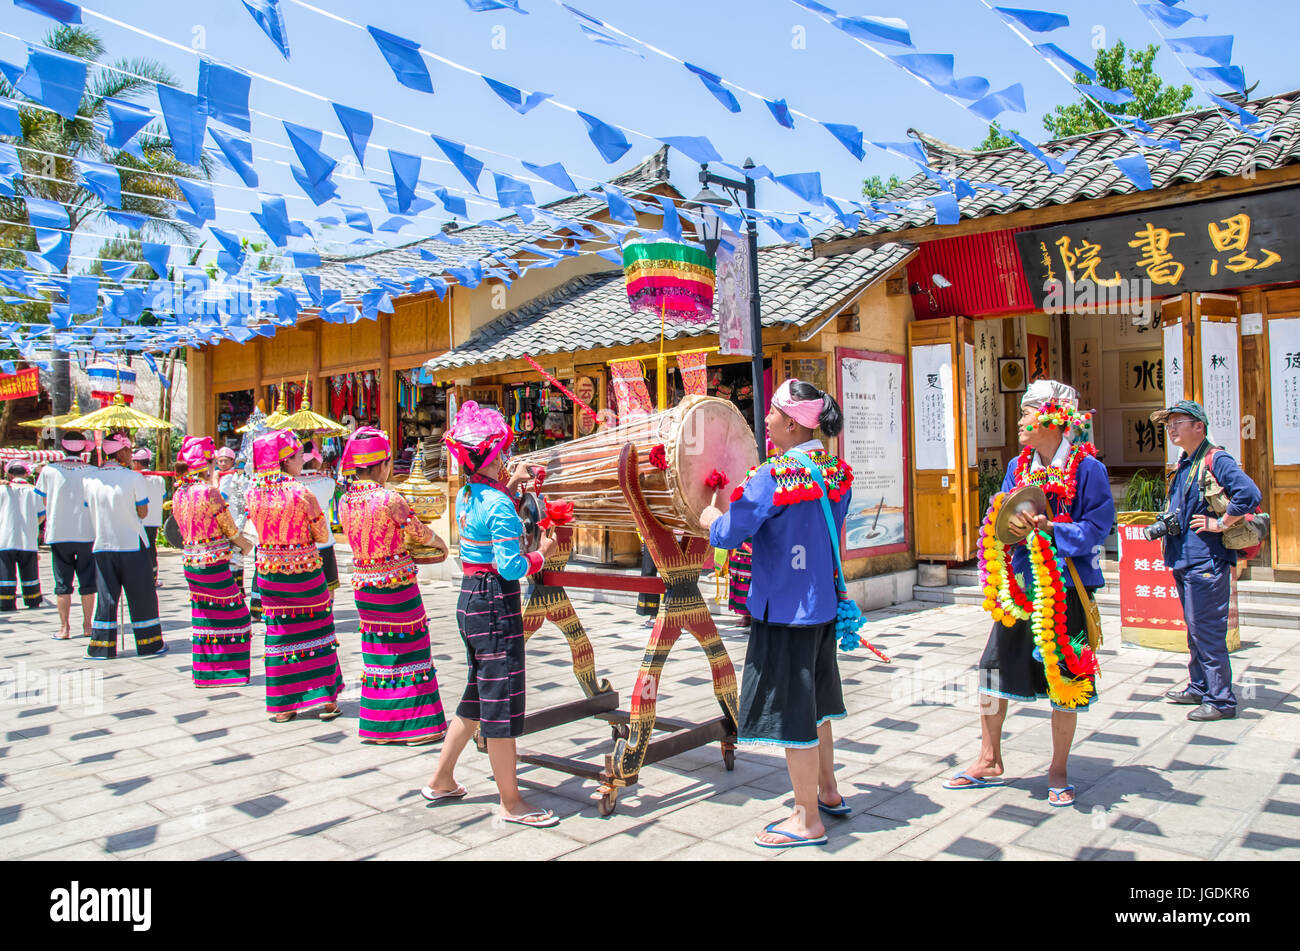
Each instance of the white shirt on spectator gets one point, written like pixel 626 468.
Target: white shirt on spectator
pixel 20 513
pixel 62 489
pixel 322 486
pixel 112 493
pixel 157 489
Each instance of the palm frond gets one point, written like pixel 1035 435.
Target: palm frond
pixel 75 41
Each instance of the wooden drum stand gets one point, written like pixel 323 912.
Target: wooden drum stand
pixel 681 609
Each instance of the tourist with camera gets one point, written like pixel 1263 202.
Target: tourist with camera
pixel 1195 551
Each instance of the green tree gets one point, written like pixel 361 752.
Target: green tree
pixel 1153 97
pixel 876 187
pixel 48 146
pixel 996 139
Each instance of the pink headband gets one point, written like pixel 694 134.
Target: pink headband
pixel 72 444
pixel 116 443
pixel 270 449
pixel 365 448
pixel 143 454
pixel 225 452
pixel 196 451
pixel 807 413
pixel 477 436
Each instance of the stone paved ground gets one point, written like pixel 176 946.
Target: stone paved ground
pixel 145 766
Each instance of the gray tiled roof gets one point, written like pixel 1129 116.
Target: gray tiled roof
pixel 592 311
pixel 481 240
pixel 1210 148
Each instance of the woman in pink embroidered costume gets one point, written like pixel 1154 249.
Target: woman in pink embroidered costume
pixel 399 684
pixel 488 612
pixel 222 630
pixel 302 667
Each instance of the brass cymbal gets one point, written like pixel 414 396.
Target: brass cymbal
pixel 1026 500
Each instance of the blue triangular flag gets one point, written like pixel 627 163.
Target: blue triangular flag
pixel 319 192
pixel 807 185
pixel 849 136
pixel 305 259
pixel 60 10
pixel 454 205
pixel 1231 76
pixel 1169 16
pixel 156 255
pixel 672 225
pixel 713 83
pixel 127 119
pixel 515 98
pixel 118 271
pixel 479 6
pixel 697 148
pixel 10 122
pixel 357 218
pixel 1056 167
pixel 1053 52
pixel 129 219
pixel 465 163
pixel 395 224
pixel 83 294
pixel 357 126
pixel 306 143
pixel 512 193
pixel 103 181
pixel 619 209
pixel 995 103
pixel 268 16
pixel 55 80
pixel 406 173
pixel 1135 167
pixel 1112 97
pixel 55 247
pixel 239 154
pixel 780 112
pixel 871 29
pixel 45 213
pixel 553 173
pixel 609 141
pixel 1216 48
pixel 937 71
pixel 404 58
pixel 199 195
pixel 223 91
pixel 185 123
pixel 274 219
pixel 1036 21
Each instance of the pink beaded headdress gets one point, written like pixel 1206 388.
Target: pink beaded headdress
pixel 366 447
pixel 196 451
pixel 477 436
pixel 270 449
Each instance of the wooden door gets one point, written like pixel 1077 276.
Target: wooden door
pixel 1282 345
pixel 945 473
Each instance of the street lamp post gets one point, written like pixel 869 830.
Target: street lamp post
pixel 708 203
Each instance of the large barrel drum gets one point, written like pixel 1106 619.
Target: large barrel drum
pixel 697 436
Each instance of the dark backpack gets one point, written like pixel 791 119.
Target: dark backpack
pixel 1246 536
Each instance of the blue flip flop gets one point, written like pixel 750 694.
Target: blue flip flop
pixel 795 840
pixel 975 782
pixel 843 809
pixel 1059 790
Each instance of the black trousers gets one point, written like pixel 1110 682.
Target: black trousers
pixel 14 563
pixel 152 532
pixel 115 572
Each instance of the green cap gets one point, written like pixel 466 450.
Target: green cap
pixel 1186 407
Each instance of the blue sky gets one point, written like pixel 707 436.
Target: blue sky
pixel 770 46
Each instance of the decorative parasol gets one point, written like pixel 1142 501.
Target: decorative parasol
pixel 56 422
pixel 305 420
pixel 675 280
pixel 117 415
pixel 277 415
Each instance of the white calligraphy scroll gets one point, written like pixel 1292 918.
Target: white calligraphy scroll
pixel 1284 377
pixel 971 438
pixel 933 407
pixel 990 407
pixel 1220 386
pixel 1173 379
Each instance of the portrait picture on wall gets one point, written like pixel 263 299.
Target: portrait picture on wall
pixel 1011 374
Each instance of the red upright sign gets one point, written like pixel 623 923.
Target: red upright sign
pixel 24 383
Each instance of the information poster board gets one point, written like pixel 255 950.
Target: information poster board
pixel 874 444
pixel 933 407
pixel 1284 371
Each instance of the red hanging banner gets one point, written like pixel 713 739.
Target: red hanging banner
pixel 17 386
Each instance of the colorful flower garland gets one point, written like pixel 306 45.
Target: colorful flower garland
pixel 1044 608
pixel 1055 480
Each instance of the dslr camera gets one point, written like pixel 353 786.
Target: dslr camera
pixel 1166 523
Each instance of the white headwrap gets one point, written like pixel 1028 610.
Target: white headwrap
pixel 1041 392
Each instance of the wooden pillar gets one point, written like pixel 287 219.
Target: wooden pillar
pixel 387 382
pixel 200 416
pixel 318 399
pixel 259 389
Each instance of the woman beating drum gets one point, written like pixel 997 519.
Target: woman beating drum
pixel 399 685
pixel 222 629
pixel 790 689
pixel 1039 644
pixel 302 667
pixel 489 612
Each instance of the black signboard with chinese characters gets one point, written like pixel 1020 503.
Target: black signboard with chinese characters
pixel 1213 245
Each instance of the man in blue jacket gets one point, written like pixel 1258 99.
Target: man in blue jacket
pixel 1202 565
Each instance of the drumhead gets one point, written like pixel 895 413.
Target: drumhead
pixel 172 532
pixel 711 434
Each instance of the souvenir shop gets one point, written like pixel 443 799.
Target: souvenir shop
pixel 233 409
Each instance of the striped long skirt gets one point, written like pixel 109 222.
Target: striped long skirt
pixel 399 684
pixel 222 631
pixel 302 665
pixel 739 568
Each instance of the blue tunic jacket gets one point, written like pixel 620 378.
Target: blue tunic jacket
pixel 1189 548
pixel 793 572
pixel 491 530
pixel 1092 516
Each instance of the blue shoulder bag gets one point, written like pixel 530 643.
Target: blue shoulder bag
pixel 848 616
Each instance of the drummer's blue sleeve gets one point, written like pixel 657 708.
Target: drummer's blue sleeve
pixel 507 535
pixel 747 513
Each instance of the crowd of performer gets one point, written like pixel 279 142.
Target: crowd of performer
pixel 101 523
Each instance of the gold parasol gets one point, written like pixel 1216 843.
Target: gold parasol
pixel 276 416
pixel 117 415
pixel 307 421
pixel 56 422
